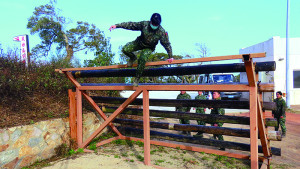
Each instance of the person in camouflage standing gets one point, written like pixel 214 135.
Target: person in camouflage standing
pixel 151 33
pixel 184 95
pixel 200 110
pixel 279 113
pixel 219 111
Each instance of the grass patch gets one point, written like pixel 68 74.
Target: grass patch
pixel 139 157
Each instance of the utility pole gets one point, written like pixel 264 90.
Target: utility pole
pixel 288 65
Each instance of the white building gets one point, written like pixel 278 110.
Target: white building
pixel 275 49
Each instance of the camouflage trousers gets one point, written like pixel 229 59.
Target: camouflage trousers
pixel 219 136
pixel 133 46
pixel 200 111
pixel 281 122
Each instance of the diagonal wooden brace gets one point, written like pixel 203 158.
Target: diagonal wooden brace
pixel 262 130
pixel 72 79
pixel 100 112
pixel 112 117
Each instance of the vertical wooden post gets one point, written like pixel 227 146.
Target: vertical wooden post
pixel 146 120
pixel 253 110
pixel 253 127
pixel 72 115
pixel 79 117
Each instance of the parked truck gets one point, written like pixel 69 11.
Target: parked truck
pixel 219 78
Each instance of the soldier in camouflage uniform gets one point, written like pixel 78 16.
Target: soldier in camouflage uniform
pixel 200 110
pixel 219 111
pixel 279 113
pixel 184 95
pixel 151 33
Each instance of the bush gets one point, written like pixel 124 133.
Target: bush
pixel 15 80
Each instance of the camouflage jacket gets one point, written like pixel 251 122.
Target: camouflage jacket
pixel 202 97
pixel 183 96
pixel 219 111
pixel 280 107
pixel 149 38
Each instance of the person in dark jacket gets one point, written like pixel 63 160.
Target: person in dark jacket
pixel 279 113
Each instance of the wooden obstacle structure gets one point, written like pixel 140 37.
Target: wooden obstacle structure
pixel 258 123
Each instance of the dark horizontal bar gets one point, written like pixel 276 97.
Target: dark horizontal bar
pixel 176 71
pixel 195 140
pixel 189 127
pixel 230 104
pixel 208 118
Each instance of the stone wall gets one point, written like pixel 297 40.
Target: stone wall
pixel 23 145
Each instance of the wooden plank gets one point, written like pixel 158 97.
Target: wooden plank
pixel 72 115
pixel 168 87
pixel 112 117
pixel 194 60
pixel 223 87
pixel 146 124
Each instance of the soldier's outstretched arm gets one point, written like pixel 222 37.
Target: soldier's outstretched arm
pixel 135 26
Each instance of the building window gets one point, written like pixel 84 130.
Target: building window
pixel 297 79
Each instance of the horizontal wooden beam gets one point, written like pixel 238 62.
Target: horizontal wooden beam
pixel 176 71
pixel 231 104
pixel 195 140
pixel 174 87
pixel 194 60
pixel 221 87
pixel 208 118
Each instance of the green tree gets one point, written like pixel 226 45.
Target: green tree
pixel 52 29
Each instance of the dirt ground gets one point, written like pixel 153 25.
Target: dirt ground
pixel 115 156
